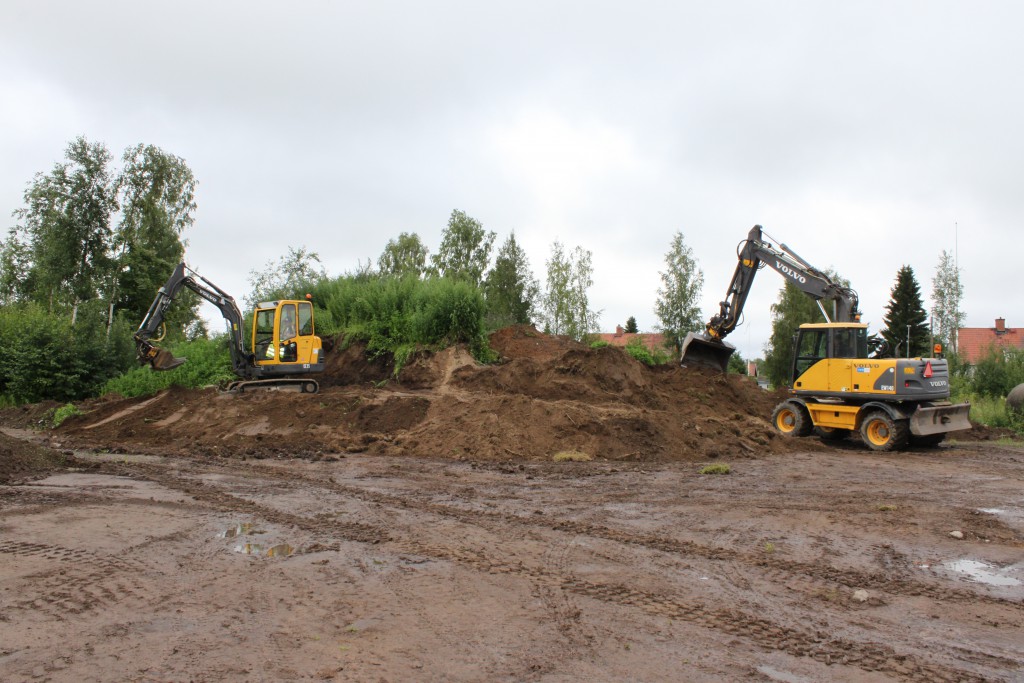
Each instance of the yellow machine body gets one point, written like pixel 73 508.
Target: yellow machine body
pixel 284 339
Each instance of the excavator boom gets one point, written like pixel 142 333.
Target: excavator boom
pixel 709 349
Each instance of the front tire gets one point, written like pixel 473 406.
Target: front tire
pixel 882 433
pixel 792 419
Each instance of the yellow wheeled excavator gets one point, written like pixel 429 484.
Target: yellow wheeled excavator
pixel 283 346
pixel 837 387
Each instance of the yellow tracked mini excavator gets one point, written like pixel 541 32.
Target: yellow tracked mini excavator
pixel 283 345
pixel 837 389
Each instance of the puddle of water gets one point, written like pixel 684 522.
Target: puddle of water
pixel 240 530
pixel 981 572
pixel 279 550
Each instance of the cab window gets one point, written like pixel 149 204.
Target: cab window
pixel 812 346
pixel 851 343
pixel 305 319
pixel 287 328
pixel 264 332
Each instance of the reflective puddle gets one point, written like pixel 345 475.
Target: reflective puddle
pixel 240 530
pixel 982 572
pixel 279 550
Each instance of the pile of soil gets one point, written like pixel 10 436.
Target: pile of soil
pixel 20 459
pixel 548 394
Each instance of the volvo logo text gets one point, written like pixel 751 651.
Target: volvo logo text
pixel 783 268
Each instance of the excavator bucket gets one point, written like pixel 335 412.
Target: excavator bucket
pixel 702 351
pixel 164 360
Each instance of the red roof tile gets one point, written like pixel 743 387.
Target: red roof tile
pixel 974 342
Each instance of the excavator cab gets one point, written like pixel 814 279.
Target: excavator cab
pixel 283 337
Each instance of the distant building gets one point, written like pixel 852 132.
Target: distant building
pixel 974 342
pixel 655 341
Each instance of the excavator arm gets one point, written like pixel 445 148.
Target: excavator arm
pixel 146 336
pixel 709 348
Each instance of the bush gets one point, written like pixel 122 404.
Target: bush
pixel 638 350
pixel 999 372
pixel 209 362
pixel 45 357
pixel 398 315
pixel 716 468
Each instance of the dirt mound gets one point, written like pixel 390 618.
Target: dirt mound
pixel 548 394
pixel 20 459
pixel 524 341
pixel 31 416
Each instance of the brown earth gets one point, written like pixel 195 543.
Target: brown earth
pixel 549 394
pixel 418 529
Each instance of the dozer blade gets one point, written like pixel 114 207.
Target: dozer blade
pixel 165 360
pixel 939 419
pixel 702 351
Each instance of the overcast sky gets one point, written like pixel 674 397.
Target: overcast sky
pixel 866 135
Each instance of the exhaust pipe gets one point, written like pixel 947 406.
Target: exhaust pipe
pixel 700 350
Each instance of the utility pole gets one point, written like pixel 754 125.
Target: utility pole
pixel 908 341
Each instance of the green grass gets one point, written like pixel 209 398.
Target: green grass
pixel 209 362
pixel 64 412
pixel 992 412
pixel 716 468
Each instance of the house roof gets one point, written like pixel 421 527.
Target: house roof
pixel 974 342
pixel 652 340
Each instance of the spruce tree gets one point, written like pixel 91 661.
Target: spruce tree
pixel 905 309
pixel 511 291
pixel 631 327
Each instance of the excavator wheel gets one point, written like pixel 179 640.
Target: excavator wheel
pixel 882 433
pixel 831 433
pixel 792 419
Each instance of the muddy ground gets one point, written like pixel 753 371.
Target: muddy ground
pixel 419 529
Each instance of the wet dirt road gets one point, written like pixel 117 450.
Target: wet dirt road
pixel 835 565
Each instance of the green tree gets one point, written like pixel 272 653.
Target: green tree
pixel 677 304
pixel 566 306
pixel 905 310
pixel 465 250
pixel 736 364
pixel 66 222
pixel 792 309
pixel 285 276
pixel 631 327
pixel 14 268
pixel 998 372
pixel 403 256
pixel 947 295
pixel 157 197
pixel 510 289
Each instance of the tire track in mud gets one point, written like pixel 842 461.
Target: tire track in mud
pixel 83 580
pixel 777 569
pixel 764 633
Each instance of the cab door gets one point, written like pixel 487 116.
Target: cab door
pixel 305 341
pixel 810 361
pixel 842 350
